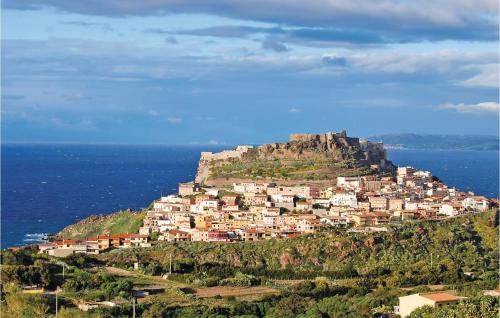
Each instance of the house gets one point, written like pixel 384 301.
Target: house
pixel 366 219
pixel 46 247
pixel 203 221
pixel 253 235
pixel 409 303
pixel 249 187
pixel 299 191
pixel 405 215
pixel 254 199
pixel 308 225
pixel 302 206
pixel 139 240
pixel 92 245
pixel 335 220
pixel 382 217
pixel 451 209
pixel 176 236
pixel 476 203
pixel 344 199
pixel 218 236
pixel 119 240
pixel 395 204
pixel 199 234
pixel 378 203
pixel 230 199
pixel 65 243
pixel 202 197
pixel 188 188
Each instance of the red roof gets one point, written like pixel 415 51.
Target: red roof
pixel 293 235
pixel 66 242
pixel 441 297
pixel 177 232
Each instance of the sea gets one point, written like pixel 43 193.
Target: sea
pixel 47 187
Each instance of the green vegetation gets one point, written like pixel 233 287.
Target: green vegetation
pixel 331 274
pixel 115 223
pixel 406 255
pixel 305 169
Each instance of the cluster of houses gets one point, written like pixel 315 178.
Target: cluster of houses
pixel 252 211
pixel 93 245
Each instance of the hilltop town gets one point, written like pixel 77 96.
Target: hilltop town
pixel 251 210
pixel 320 226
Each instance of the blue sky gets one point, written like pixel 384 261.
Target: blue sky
pixel 238 71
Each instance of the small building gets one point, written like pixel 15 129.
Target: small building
pixel 177 236
pixel 188 188
pixel 308 225
pixel 302 206
pixel 92 245
pixel 378 203
pixel 409 303
pixel 253 235
pixel 366 219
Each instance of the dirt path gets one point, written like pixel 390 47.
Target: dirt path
pixel 233 291
pixel 119 271
pixel 203 292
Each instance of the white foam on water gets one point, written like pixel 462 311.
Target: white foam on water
pixel 35 237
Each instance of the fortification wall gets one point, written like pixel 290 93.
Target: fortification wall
pixel 323 138
pixel 226 154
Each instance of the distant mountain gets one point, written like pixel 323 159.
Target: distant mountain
pixel 456 142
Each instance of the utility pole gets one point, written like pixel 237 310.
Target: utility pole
pixel 133 307
pixel 431 260
pixel 57 304
pixel 63 265
pixel 170 267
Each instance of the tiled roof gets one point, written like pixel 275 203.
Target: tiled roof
pixel 441 297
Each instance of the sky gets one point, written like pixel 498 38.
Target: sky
pixel 237 71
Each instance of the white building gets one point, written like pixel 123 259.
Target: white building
pixel 476 203
pixel 344 199
pixel 409 303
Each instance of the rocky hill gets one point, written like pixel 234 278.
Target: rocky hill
pixel 305 157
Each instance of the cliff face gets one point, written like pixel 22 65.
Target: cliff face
pixel 307 156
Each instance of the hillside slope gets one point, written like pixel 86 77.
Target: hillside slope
pixel 407 255
pixel 115 223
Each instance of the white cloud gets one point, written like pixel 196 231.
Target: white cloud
pixel 294 110
pixel 174 120
pixel 477 109
pixel 487 77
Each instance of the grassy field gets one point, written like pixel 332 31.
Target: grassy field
pixel 308 169
pixel 115 223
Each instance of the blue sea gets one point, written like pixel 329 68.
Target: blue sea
pixel 47 187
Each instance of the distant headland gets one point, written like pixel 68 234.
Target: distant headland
pixel 444 142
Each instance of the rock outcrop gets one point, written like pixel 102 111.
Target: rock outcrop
pixel 328 149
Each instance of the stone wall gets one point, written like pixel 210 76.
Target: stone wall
pixel 226 154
